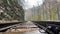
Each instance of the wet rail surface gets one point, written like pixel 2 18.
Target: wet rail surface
pixel 49 26
pixel 43 23
pixel 8 24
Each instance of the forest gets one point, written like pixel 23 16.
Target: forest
pixel 11 10
pixel 48 11
pixel 20 10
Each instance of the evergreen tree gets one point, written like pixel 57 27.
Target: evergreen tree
pixel 11 10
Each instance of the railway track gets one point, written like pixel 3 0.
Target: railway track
pixel 41 24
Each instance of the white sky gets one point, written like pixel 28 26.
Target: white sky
pixel 31 3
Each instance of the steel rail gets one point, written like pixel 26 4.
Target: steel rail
pixel 11 26
pixel 44 28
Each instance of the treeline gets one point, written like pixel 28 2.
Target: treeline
pixel 49 10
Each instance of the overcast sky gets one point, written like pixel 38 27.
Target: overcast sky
pixel 31 3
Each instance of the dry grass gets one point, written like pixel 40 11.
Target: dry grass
pixel 23 30
pixel 3 21
pixel 20 31
pixel 11 33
